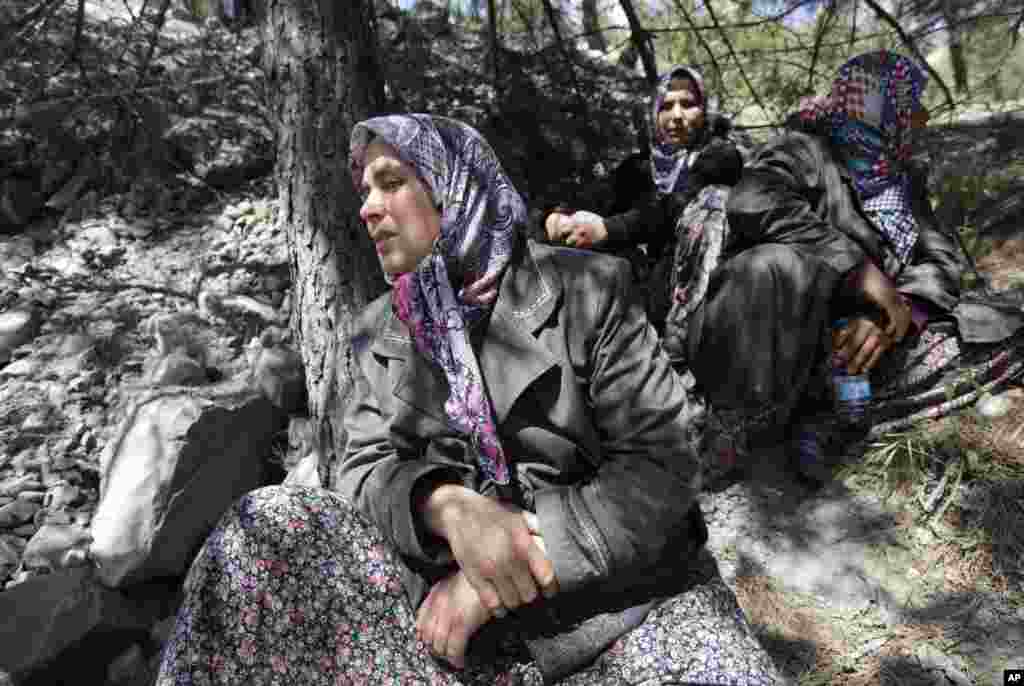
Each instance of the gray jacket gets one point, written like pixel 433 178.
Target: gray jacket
pixel 599 428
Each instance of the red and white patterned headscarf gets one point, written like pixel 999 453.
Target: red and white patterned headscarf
pixel 867 115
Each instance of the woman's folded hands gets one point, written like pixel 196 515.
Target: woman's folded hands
pixel 580 229
pixel 502 565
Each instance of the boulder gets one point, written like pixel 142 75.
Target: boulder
pixel 18 326
pixel 67 627
pixel 175 464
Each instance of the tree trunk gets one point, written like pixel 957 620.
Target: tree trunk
pixel 322 65
pixel 641 42
pixel 592 26
pixel 495 47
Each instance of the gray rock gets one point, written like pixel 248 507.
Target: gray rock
pixel 17 327
pixel 57 610
pixel 17 513
pixel 16 484
pixel 61 495
pixel 19 578
pixel 178 460
pixel 24 367
pixel 929 501
pixel 16 542
pixel 994 406
pixel 37 421
pixel 9 554
pixel 56 546
pixel 26 530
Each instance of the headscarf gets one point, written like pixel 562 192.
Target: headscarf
pixel 867 115
pixel 480 214
pixel 670 163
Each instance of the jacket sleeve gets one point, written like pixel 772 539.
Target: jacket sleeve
pixel 653 219
pixel 624 518
pixel 648 222
pixel 775 202
pixel 934 272
pixel 381 468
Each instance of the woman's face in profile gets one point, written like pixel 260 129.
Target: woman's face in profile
pixel 397 209
pixel 681 116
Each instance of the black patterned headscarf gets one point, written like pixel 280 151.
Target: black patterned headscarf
pixel 480 215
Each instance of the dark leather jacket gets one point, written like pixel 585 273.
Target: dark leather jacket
pixel 600 429
pixel 796 192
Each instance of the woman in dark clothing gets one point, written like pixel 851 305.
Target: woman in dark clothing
pixel 960 346
pixel 517 496
pixel 692 147
pixel 829 221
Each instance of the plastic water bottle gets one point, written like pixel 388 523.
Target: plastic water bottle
pixel 852 392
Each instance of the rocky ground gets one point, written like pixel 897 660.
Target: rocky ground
pixel 844 585
pixel 849 584
pixel 80 338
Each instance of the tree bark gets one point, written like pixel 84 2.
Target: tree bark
pixel 641 41
pixel 592 26
pixel 495 46
pixel 322 65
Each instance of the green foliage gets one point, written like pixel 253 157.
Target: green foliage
pixel 996 65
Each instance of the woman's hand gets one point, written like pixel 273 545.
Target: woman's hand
pixel 586 230
pixel 448 618
pixel 579 230
pixel 861 343
pixel 557 226
pixel 876 288
pixel 493 543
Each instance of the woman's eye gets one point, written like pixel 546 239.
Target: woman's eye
pixel 392 184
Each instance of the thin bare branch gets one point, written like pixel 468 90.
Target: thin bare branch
pixel 681 6
pixel 41 10
pixel 735 57
pixel 642 41
pixel 76 42
pixel 492 26
pixel 819 35
pixel 154 35
pixel 912 46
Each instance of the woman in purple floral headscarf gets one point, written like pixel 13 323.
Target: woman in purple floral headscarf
pixel 516 501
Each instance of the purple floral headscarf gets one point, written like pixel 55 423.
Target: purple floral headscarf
pixel 480 215
pixel 670 163
pixel 867 114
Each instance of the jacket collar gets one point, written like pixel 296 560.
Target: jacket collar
pixel 510 356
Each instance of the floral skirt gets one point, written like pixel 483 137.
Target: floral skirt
pixel 294 587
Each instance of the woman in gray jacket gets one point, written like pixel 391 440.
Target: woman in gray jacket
pixel 517 495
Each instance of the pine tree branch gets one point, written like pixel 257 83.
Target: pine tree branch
pixel 700 39
pixel 735 57
pixel 42 9
pixel 819 36
pixel 642 40
pixel 912 46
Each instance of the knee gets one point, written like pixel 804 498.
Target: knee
pixel 276 513
pixel 763 265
